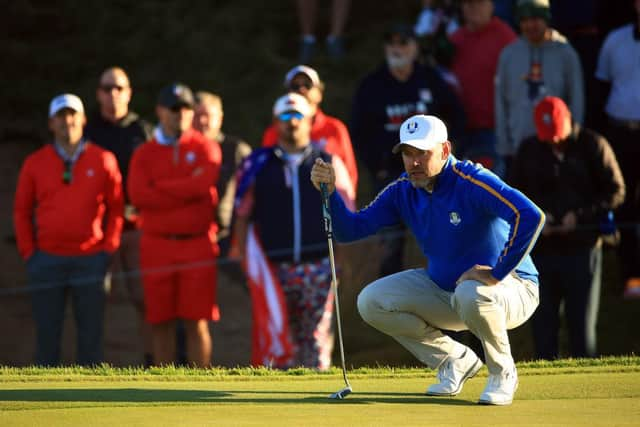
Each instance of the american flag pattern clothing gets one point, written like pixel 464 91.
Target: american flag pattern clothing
pixel 309 299
pixel 271 340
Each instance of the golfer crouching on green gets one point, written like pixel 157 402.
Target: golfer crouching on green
pixel 476 232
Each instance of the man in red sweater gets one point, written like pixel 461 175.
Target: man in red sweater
pixel 478 45
pixel 327 133
pixel 68 219
pixel 172 181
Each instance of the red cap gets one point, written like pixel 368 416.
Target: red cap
pixel 550 116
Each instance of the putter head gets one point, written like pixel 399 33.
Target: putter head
pixel 341 394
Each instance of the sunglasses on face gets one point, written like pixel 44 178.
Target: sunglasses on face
pixel 67 173
pixel 110 87
pixel 178 108
pixel 290 115
pixel 296 86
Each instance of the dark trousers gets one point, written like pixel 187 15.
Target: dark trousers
pixel 574 279
pixel 626 144
pixel 51 278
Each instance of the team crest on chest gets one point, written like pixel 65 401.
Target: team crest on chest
pixel 454 218
pixel 190 157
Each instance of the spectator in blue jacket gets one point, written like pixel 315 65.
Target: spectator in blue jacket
pixel 476 232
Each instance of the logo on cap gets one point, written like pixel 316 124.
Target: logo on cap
pixel 412 127
pixel 546 118
pixel 454 218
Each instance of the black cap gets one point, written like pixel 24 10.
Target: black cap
pixel 176 94
pixel 400 29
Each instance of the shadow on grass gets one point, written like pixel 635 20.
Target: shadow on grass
pixel 135 395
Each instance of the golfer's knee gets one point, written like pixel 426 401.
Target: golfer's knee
pixel 467 299
pixel 368 304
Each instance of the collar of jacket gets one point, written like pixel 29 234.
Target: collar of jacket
pixel 282 155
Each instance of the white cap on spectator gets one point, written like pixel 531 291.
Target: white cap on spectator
pixel 291 102
pixel 422 132
pixel 66 100
pixel 302 69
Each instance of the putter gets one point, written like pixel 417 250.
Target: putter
pixel 328 228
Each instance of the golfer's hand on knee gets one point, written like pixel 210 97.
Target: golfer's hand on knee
pixel 322 172
pixel 479 273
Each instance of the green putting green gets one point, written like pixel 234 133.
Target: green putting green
pixel 584 392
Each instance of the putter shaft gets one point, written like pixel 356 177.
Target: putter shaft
pixel 334 286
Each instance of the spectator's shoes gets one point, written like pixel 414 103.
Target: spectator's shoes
pixel 500 388
pixel 335 47
pixel 453 373
pixel 307 50
pixel 632 288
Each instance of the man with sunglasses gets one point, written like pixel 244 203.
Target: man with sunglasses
pixel 172 182
pixel 276 200
pixel 327 132
pixel 395 91
pixel 68 219
pixel 116 128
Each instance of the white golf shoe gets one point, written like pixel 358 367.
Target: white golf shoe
pixel 453 373
pixel 500 388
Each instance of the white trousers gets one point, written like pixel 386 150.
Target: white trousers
pixel 412 309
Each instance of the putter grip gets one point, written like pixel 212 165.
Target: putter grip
pixel 326 214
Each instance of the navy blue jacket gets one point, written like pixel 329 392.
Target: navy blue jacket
pixel 287 209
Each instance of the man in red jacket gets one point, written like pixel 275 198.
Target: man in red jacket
pixel 172 181
pixel 486 33
pixel 68 219
pixel 327 133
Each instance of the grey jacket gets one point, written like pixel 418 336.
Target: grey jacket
pixel 518 88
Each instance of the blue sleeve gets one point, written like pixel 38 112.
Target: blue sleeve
pixel 381 212
pixel 524 217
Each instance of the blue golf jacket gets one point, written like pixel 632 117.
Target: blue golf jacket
pixel 471 217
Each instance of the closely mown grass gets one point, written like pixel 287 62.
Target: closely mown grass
pixel 602 392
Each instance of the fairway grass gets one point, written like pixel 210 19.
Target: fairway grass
pixel 602 392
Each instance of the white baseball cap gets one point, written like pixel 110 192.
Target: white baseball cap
pixel 302 69
pixel 291 102
pixel 66 100
pixel 422 132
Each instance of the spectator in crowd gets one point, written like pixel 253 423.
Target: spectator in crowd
pixel 482 32
pixel 307 13
pixel 208 121
pixel 619 72
pixel 573 175
pixel 172 181
pixel 396 90
pixel 277 201
pixel 476 233
pixel 116 128
pixel 327 132
pixel 540 63
pixel 68 220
